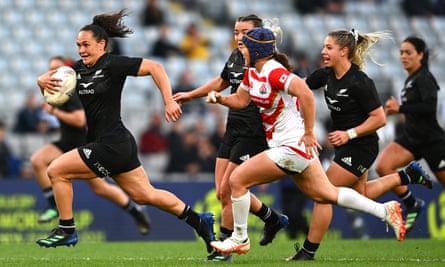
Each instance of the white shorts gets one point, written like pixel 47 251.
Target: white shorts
pixel 288 159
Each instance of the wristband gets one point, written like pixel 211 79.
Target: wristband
pixel 351 133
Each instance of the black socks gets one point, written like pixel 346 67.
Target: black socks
pixel 267 215
pixel 404 177
pixel 190 217
pixel 224 233
pixel 49 195
pixel 67 226
pixel 408 199
pixel 310 248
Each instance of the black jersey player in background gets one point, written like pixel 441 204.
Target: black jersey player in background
pixel 422 136
pixel 111 150
pixel 356 114
pixel 72 134
pixel 244 138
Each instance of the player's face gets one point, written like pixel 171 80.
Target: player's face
pixel 89 49
pixel 409 57
pixel 331 52
pixel 241 27
pixel 245 53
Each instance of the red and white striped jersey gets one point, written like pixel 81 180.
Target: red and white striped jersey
pixel 280 111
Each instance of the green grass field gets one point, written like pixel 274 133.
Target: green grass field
pixel 332 253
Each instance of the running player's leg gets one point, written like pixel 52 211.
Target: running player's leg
pixel 113 193
pixel 40 161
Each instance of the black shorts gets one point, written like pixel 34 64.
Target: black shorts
pixel 357 157
pixel 67 145
pixel 108 159
pixel 239 149
pixel 432 152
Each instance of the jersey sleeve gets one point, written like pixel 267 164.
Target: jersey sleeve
pixel 245 83
pixel 317 79
pixel 126 66
pixel 427 88
pixel 225 72
pixel 279 79
pixel 365 92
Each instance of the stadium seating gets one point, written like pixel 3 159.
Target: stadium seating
pixel 34 30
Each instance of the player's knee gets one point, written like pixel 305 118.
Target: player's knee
pixel 98 190
pixel 54 172
pixel 36 162
pixel 381 168
pixel 143 199
pixel 225 199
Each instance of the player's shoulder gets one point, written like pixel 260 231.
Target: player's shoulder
pixel 236 57
pixel 358 76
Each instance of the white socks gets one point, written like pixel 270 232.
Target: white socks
pixel 240 208
pixel 349 198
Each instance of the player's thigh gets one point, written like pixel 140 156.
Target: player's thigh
pixel 392 157
pixel 70 166
pixel 314 183
pixel 258 170
pixel 339 176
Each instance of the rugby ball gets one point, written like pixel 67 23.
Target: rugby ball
pixel 68 85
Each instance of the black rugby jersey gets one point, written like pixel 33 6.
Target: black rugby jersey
pixel 100 88
pixel 69 133
pixel 419 104
pixel 246 121
pixel 349 99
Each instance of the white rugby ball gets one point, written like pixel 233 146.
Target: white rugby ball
pixel 68 85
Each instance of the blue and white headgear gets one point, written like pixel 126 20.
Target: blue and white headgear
pixel 260 42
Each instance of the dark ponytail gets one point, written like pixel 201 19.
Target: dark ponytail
pixel 105 26
pixel 284 60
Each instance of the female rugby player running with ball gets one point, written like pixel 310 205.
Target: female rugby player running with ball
pixel 111 149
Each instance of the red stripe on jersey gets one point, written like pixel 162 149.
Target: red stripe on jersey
pixel 256 77
pixel 297 104
pixel 272 118
pixel 265 102
pixel 298 151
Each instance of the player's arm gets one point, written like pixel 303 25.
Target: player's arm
pixel 238 100
pixel 217 84
pixel 172 110
pixel 300 89
pixel 375 121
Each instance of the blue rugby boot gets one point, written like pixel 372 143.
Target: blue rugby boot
pixel 412 214
pixel 58 237
pixel 416 175
pixel 271 230
pixel 205 229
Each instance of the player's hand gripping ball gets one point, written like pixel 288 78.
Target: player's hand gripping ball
pixel 67 86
